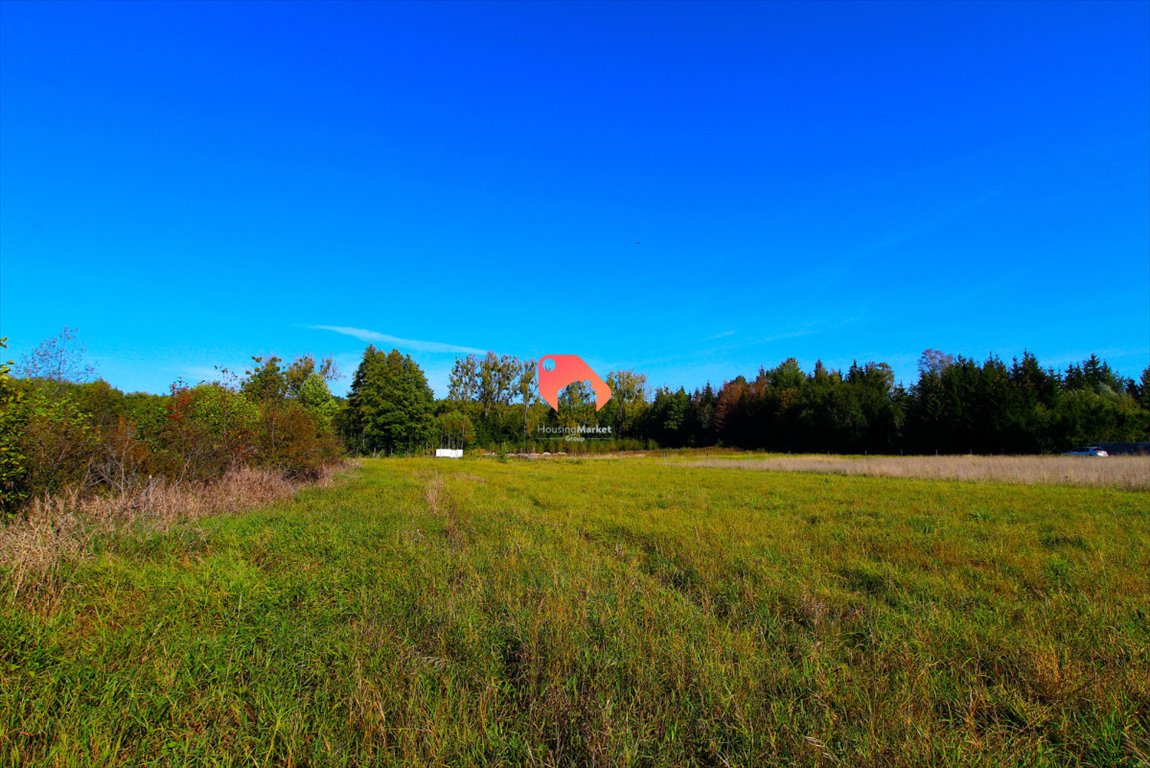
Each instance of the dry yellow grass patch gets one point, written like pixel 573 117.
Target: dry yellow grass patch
pixel 55 528
pixel 1117 471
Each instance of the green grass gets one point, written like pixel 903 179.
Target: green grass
pixel 603 613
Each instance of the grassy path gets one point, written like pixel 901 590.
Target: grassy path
pixel 601 613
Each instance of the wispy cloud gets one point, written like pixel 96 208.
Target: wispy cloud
pixel 698 350
pixel 364 334
pixel 812 328
pixel 783 336
pixel 830 269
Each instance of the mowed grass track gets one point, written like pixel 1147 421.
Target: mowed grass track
pixel 603 613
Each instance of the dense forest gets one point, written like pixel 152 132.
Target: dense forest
pixel 958 405
pixel 60 428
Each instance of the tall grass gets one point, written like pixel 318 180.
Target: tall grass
pixel 59 528
pixel 1118 471
pixel 607 613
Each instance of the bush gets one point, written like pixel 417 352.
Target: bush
pixel 293 442
pixel 122 459
pixel 208 429
pixel 149 414
pixel 58 440
pixel 13 462
pixel 228 419
pixel 57 434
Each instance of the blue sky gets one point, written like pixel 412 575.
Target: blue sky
pixel 687 190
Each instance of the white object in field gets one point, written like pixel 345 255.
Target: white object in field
pixel 449 453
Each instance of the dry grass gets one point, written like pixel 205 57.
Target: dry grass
pixel 1132 472
pixel 56 529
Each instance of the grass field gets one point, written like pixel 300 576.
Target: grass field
pixel 607 613
pixel 1131 472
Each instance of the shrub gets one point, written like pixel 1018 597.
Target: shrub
pixel 58 440
pixel 149 414
pixel 291 441
pixel 122 459
pixel 228 419
pixel 13 462
pixel 188 448
pixel 59 435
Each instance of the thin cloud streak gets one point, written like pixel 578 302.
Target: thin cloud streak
pixel 835 269
pixel 811 329
pixel 363 334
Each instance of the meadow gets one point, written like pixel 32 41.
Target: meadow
pixel 1131 472
pixel 606 612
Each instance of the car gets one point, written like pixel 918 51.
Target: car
pixel 1089 451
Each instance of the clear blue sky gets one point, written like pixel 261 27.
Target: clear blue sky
pixel 688 190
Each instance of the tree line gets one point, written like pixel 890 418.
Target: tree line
pixel 957 405
pixel 62 429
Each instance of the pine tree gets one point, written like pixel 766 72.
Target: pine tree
pixel 390 404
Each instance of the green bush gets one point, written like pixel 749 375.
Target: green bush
pixel 149 414
pixel 13 462
pixel 58 440
pixel 228 419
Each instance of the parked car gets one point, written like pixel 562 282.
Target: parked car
pixel 1089 451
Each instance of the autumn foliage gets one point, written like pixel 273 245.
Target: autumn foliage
pixel 90 438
